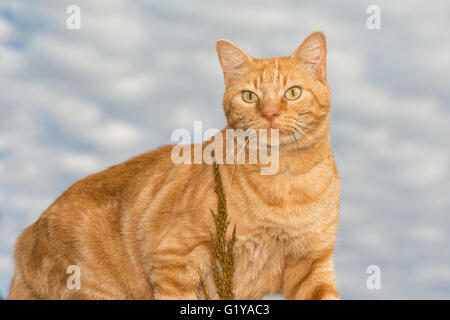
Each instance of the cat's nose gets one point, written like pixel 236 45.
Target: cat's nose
pixel 270 114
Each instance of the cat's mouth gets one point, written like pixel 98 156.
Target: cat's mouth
pixel 285 126
pixel 266 124
pixel 274 124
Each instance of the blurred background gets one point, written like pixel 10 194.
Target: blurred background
pixel 73 102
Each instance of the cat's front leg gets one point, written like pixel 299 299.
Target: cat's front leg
pixel 174 280
pixel 310 278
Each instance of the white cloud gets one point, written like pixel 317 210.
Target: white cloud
pixel 432 272
pixel 114 133
pixel 5 31
pixel 129 87
pixel 82 164
pixel 5 265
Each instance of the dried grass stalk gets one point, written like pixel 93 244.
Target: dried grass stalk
pixel 223 268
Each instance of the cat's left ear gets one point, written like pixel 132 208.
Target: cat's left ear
pixel 313 52
pixel 232 59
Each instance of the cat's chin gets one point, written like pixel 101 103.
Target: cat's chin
pixel 288 142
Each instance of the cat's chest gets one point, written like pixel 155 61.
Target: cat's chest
pixel 260 260
pixel 286 191
pixel 277 217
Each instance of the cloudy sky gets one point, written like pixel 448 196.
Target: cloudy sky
pixel 73 102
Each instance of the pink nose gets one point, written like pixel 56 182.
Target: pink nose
pixel 270 115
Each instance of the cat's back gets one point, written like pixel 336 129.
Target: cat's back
pixel 102 195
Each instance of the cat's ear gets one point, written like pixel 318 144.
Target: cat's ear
pixel 231 58
pixel 313 53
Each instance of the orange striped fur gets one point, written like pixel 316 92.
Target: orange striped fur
pixel 141 229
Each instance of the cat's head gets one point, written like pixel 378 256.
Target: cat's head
pixel 286 93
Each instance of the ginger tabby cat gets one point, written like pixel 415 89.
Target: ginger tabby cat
pixel 141 229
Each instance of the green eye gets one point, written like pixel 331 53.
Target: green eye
pixel 249 96
pixel 293 93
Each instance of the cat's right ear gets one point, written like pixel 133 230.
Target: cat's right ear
pixel 231 58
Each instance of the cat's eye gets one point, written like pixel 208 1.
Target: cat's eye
pixel 249 96
pixel 293 93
